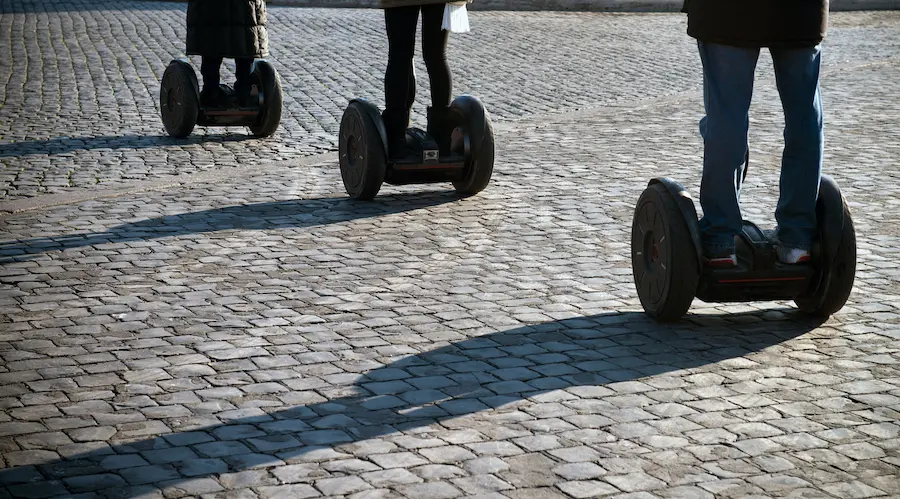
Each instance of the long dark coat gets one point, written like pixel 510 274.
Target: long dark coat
pixel 227 28
pixel 758 23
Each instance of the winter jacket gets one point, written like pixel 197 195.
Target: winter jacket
pixel 227 28
pixel 758 23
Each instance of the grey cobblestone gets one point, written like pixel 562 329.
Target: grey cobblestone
pixel 437 490
pixel 284 341
pixel 288 491
pixel 39 489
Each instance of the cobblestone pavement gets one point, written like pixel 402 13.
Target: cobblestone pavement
pixel 81 80
pixel 258 335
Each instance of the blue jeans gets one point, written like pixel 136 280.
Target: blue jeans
pixel 727 89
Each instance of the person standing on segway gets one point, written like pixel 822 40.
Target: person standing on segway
pixel 401 18
pixel 235 29
pixel 730 34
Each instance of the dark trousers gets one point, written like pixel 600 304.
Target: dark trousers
pixel 209 68
pixel 400 80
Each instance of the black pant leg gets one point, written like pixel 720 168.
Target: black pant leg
pixel 209 69
pixel 399 79
pixel 434 51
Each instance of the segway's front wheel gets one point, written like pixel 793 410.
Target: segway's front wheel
pixel 179 99
pixel 663 257
pixel 363 157
pixel 472 137
pixel 837 263
pixel 268 85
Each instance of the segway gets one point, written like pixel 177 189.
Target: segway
pixel 669 270
pixel 179 100
pixel 363 150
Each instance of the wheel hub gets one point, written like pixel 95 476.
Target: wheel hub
pixel 171 98
pixel 353 157
pixel 652 272
pixel 651 251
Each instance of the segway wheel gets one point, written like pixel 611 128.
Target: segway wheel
pixel 268 84
pixel 836 279
pixel 473 137
pixel 179 99
pixel 363 157
pixel 663 257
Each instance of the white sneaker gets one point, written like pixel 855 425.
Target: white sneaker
pixel 722 262
pixel 793 256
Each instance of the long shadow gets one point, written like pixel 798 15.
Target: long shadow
pixel 258 216
pixel 38 6
pixel 63 145
pixel 462 378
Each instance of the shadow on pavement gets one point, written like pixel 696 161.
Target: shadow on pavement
pixel 63 145
pixel 37 6
pixel 461 379
pixel 258 216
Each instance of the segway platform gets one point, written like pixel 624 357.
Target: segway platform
pixel 669 268
pixel 758 275
pixel 364 159
pixel 229 111
pixel 179 98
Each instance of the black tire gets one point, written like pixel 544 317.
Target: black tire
pixel 363 158
pixel 268 84
pixel 179 100
pixel 473 135
pixel 663 257
pixel 836 280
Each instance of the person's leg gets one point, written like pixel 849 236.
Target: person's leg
pixel 797 74
pixel 209 70
pixel 727 90
pixel 434 51
pixel 242 68
pixel 399 79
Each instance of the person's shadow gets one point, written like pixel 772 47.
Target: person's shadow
pixel 295 213
pixel 63 145
pixel 38 6
pixel 416 391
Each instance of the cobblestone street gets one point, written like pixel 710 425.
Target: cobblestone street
pixel 214 318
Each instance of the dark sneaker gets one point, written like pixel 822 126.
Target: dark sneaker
pixel 440 128
pixel 211 97
pixel 242 92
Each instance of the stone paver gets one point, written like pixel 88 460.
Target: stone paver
pixel 84 113
pixel 264 336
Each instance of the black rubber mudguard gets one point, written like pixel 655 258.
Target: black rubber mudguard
pixel 375 115
pixel 474 110
pixel 830 214
pixel 184 62
pixel 688 211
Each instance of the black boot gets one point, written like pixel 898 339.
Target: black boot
pixel 213 97
pixel 395 124
pixel 242 90
pixel 243 81
pixel 439 127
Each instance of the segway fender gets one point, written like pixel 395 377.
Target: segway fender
pixel 830 212
pixel 474 110
pixel 182 61
pixel 375 115
pixel 688 211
